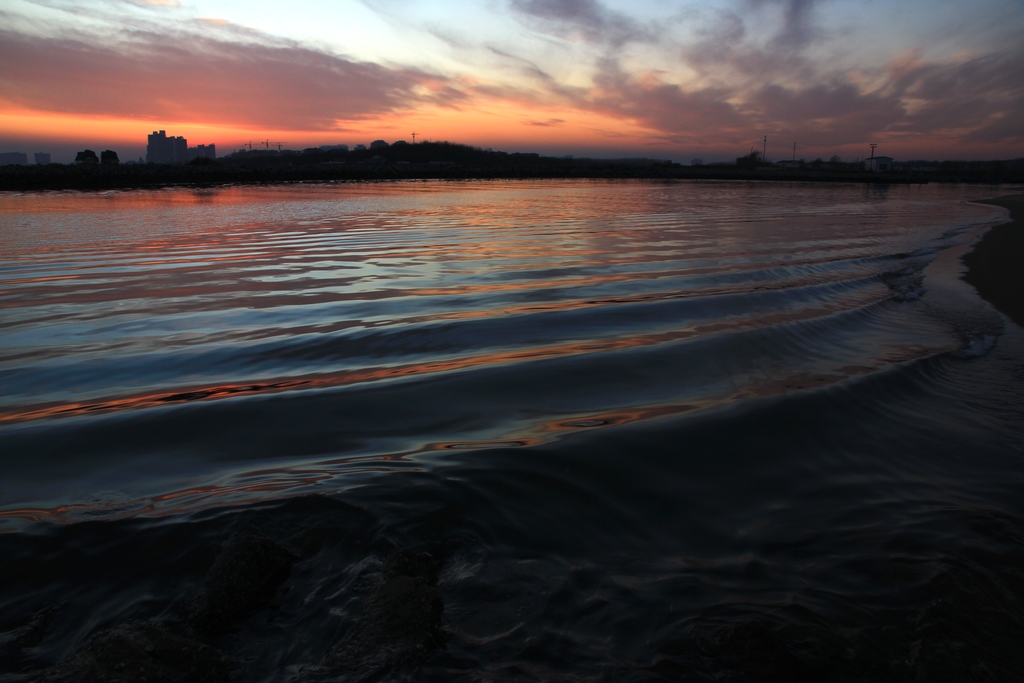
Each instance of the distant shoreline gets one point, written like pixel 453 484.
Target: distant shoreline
pixel 440 160
pixel 994 265
pixel 146 176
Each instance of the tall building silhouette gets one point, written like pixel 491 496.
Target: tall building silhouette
pixel 162 149
pixel 202 152
pixel 13 158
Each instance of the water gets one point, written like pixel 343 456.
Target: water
pixel 677 431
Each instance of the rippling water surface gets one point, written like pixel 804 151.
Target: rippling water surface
pixel 651 430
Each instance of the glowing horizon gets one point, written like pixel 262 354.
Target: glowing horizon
pixel 656 79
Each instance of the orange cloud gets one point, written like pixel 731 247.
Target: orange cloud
pixel 196 78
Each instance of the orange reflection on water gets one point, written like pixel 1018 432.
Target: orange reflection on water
pixel 236 489
pixel 260 484
pixel 373 374
pixel 142 401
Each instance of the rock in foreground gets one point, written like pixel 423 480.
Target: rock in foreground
pixel 140 652
pixel 400 624
pixel 242 581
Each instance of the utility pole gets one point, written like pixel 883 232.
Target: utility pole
pixel 872 146
pixel 794 151
pixel 414 138
pixel 764 152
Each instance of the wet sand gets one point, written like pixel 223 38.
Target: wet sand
pixel 994 267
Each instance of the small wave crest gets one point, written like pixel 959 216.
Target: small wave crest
pixel 907 284
pixel 108 505
pixel 976 346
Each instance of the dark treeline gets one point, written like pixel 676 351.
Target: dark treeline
pixel 1006 171
pixel 446 160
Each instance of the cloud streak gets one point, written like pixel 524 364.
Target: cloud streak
pixel 550 123
pixel 586 19
pixel 797 21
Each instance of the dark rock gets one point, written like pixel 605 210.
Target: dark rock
pixel 938 661
pixel 755 650
pixel 404 562
pixel 32 633
pixel 401 621
pixel 139 652
pixel 242 581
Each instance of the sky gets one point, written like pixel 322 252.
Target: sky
pixel 666 79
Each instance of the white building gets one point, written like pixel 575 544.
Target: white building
pixel 878 164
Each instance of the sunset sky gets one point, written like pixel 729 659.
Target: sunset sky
pixel 667 79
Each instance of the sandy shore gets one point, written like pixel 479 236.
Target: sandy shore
pixel 994 268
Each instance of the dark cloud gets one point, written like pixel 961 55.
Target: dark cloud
pixel 976 100
pixel 587 19
pixel 728 48
pixel 837 112
pixel 797 21
pixel 777 86
pixel 524 66
pixel 192 77
pixel 549 123
pixel 678 113
pixel 982 95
